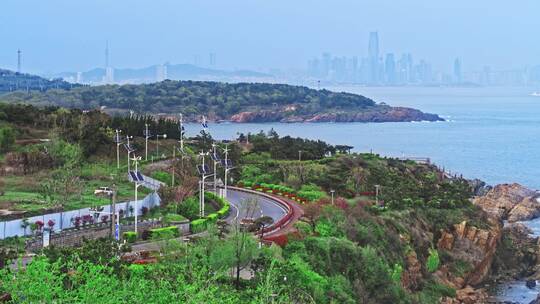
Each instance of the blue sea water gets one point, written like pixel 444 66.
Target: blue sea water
pixel 491 133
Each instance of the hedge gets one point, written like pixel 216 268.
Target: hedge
pixel 198 225
pixel 129 236
pixel 165 232
pixel 173 217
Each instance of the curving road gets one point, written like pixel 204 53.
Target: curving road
pixel 240 206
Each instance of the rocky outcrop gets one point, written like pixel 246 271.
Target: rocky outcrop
pixel 412 276
pixel 467 295
pixel 470 244
pixel 501 201
pixel 479 187
pixel 372 114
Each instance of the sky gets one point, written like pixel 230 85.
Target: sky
pixel 68 35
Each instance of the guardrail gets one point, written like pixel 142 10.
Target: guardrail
pixel 281 222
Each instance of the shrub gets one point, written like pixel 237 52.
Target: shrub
pixel 162 176
pixel 129 236
pixel 173 217
pixel 164 233
pixel 433 261
pixel 198 225
pixel 212 217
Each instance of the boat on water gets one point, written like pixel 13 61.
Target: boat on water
pixel 536 94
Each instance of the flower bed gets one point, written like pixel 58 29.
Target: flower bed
pixel 276 189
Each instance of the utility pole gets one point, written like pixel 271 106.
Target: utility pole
pixel 173 164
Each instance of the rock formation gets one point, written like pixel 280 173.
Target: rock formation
pixel 510 201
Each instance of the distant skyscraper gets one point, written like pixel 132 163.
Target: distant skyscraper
pixel 212 59
pixel 326 64
pixel 19 60
pixel 79 78
pixel 458 76
pixel 390 69
pixel 373 53
pixel 109 71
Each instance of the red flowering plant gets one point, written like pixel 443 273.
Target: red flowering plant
pixel 51 224
pixel 39 225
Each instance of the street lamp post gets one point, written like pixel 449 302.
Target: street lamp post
pixel 118 141
pixel 147 135
pixel 182 131
pixel 228 167
pixel 299 155
pixel 164 136
pixel 137 185
pixel 332 193
pixel 129 150
pixel 216 161
pixel 202 171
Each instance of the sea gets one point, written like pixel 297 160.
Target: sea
pixel 490 133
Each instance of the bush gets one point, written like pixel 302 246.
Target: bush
pixel 189 208
pixel 212 217
pixel 162 176
pixel 130 236
pixel 198 225
pixel 433 261
pixel 164 233
pixel 173 217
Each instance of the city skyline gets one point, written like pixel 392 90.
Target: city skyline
pixel 263 35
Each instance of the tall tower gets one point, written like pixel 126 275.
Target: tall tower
pixel 457 71
pixel 373 54
pixel 19 60
pixel 109 71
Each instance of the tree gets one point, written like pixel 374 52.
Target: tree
pixel 7 138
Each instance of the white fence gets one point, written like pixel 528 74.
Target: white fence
pixel 64 220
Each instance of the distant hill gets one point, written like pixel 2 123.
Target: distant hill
pixel 174 72
pixel 240 102
pixel 12 81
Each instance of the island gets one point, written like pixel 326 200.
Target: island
pixel 238 102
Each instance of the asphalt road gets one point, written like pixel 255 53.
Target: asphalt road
pixel 241 207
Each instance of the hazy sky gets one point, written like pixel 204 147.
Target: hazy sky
pixel 60 35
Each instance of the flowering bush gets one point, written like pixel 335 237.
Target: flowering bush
pixel 39 225
pixel 76 221
pixel 144 210
pixel 104 218
pixel 51 223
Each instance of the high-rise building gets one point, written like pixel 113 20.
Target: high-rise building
pixel 109 71
pixel 373 57
pixel 326 64
pixel 390 69
pixel 458 76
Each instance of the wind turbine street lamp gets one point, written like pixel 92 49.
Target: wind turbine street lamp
pixel 228 165
pixel 182 131
pixel 115 218
pixel 129 150
pixel 118 141
pixel 164 136
pixel 203 172
pixel 217 161
pixel 147 135
pixel 136 160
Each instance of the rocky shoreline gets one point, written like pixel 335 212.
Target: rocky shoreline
pixel 377 114
pixel 504 250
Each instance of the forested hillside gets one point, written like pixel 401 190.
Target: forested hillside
pixel 11 81
pixel 242 102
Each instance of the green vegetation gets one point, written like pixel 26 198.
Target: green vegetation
pixel 195 98
pixel 11 81
pixel 129 236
